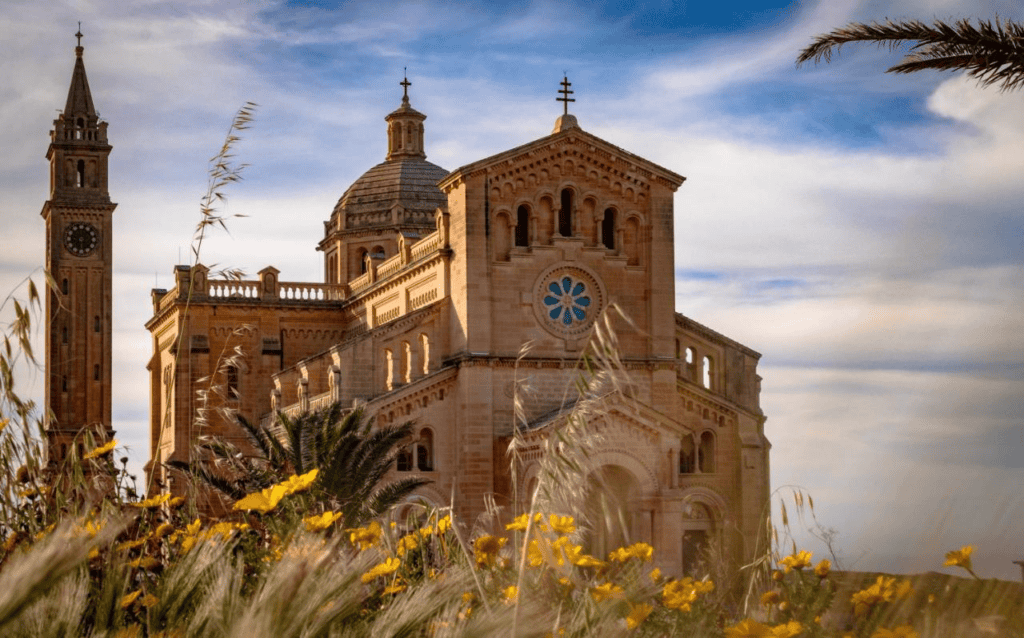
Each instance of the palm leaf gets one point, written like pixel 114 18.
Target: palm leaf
pixel 992 52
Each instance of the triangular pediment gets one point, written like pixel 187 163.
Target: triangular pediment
pixel 615 414
pixel 573 150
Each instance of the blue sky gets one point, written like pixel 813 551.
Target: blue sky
pixel 859 229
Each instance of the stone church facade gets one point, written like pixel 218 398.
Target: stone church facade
pixel 433 281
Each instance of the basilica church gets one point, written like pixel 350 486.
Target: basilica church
pixel 433 281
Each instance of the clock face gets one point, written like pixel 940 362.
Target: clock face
pixel 81 238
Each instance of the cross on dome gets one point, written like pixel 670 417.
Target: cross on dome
pixel 405 83
pixel 565 99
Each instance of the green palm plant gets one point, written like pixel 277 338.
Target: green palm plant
pixel 992 52
pixel 353 459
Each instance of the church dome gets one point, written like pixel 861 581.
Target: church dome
pixel 402 190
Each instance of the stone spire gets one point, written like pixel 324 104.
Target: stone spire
pixel 79 102
pixel 405 129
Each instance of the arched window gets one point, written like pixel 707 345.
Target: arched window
pixel 389 370
pixel 406 362
pixel 403 463
pixel 708 372
pixel 232 382
pixel 96 323
pixel 565 214
pixel 706 453
pixel 64 286
pixel 80 171
pixel 64 334
pixel 523 226
pixel 425 352
pixel 608 229
pixel 96 372
pixel 425 451
pixel 686 456
pixel 64 384
pixel 362 261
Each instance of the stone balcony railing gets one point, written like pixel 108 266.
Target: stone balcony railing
pixel 268 288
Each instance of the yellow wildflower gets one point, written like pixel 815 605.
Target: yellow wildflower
pixel 389 566
pixel 366 537
pixel 797 561
pixel 176 502
pixel 101 450
pixel 149 600
pixel 262 501
pixel 638 614
pixel 225 530
pixel 395 588
pixel 584 560
pixel 407 543
pixel 884 589
pixel 748 628
pixel 486 548
pixel 321 522
pixel 643 551
pixel 468 597
pixel 770 597
pixel 903 631
pixel 534 554
pixel 162 530
pixel 129 545
pixel 655 574
pixel 562 524
pixel 520 523
pixel 193 528
pixel 606 591
pixel 960 557
pixel 296 484
pixel 444 524
pixel 153 503
pixel 511 594
pixel 128 599
pixel 823 568
pixel 145 562
pixel 787 630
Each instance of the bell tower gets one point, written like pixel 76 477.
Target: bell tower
pixel 79 258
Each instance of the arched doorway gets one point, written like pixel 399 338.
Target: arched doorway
pixel 612 496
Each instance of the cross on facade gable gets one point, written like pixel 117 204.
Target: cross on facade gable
pixel 565 99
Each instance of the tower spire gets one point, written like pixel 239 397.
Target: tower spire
pixel 405 128
pixel 79 102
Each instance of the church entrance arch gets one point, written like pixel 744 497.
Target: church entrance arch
pixel 612 496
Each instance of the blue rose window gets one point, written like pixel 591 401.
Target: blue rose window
pixel 567 300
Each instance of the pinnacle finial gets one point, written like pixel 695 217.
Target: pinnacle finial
pixel 78 48
pixel 565 99
pixel 405 83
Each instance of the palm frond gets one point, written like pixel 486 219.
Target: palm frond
pixel 992 52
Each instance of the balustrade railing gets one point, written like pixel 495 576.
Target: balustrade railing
pixel 389 267
pixel 229 289
pixel 426 246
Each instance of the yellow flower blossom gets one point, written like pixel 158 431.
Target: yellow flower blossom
pixel 655 574
pixel 787 630
pixel 321 522
pixel 149 600
pixel 607 591
pixel 681 594
pixel 389 566
pixel 486 548
pixel 128 599
pixel 176 502
pixel 511 594
pixel 638 614
pixel 296 484
pixel 562 524
pixel 823 568
pixel 407 543
pixel 145 562
pixel 884 589
pixel 129 545
pixel 366 537
pixel 960 557
pixel 748 628
pixel 395 588
pixel 162 530
pixel 193 528
pixel 444 524
pixel 101 450
pixel 263 501
pixel 153 503
pixel 770 598
pixel 797 561
pixel 643 551
pixel 468 597
pixel 903 631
